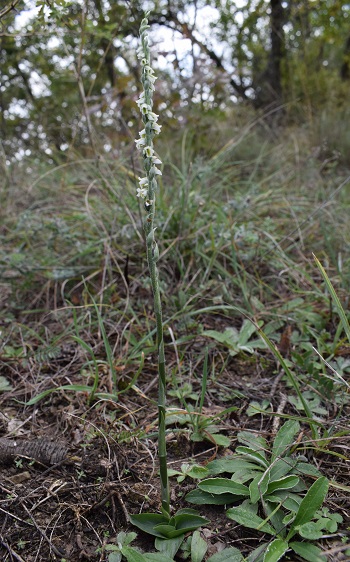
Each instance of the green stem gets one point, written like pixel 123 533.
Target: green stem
pixel 162 453
pixel 150 129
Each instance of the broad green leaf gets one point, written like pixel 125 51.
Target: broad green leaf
pixel 248 519
pixel 285 483
pixel 284 439
pixel 276 515
pixel 223 486
pixel 258 486
pixel 290 501
pixel 228 337
pixel 147 521
pixel 125 538
pixel 253 441
pixel 199 497
pixel 257 555
pixel 310 531
pixel 247 330
pixel 308 551
pixel 169 547
pixel 311 502
pixel 198 472
pixel 253 455
pixel 275 550
pixel 4 384
pixel 169 531
pixel 243 476
pixel 198 547
pixel 308 469
pixel 189 521
pixel 281 467
pixel 114 557
pixel 132 555
pixel 256 408
pixel 229 464
pixel 219 439
pixel 157 557
pixel 230 554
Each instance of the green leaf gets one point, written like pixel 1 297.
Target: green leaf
pixel 169 547
pixel 310 531
pixel 248 519
pixel 311 502
pixel 75 387
pixel 114 557
pixel 256 408
pixel 281 467
pixel 253 441
pixel 230 554
pixel 156 557
pixel 275 515
pixel 4 384
pixel 223 486
pixel 257 554
pixel 132 555
pixel 308 551
pixel 275 550
pixel 284 439
pixel 290 501
pixel 125 538
pixel 198 471
pixel 199 497
pixel 229 337
pixel 147 521
pixel 308 469
pixel 253 455
pixel 182 522
pixel 188 521
pixel 229 464
pixel 219 439
pixel 198 547
pixel 258 486
pixel 285 483
pixel 247 330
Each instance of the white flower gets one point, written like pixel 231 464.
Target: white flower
pixel 148 69
pixel 156 128
pixel 141 192
pixel 139 52
pixel 141 99
pixel 156 171
pixel 148 152
pixel 152 116
pixel 140 143
pixel 143 182
pixel 145 109
pixel 156 160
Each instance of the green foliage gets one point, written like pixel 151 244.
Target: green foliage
pixel 270 481
pixel 91 65
pixel 238 341
pixel 166 527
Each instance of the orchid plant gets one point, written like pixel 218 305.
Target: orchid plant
pixel 163 526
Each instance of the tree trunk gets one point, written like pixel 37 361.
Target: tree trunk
pixel 345 67
pixel 269 85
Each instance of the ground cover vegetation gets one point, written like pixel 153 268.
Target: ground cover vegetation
pixel 217 242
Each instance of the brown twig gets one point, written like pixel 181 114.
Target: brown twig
pixel 11 6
